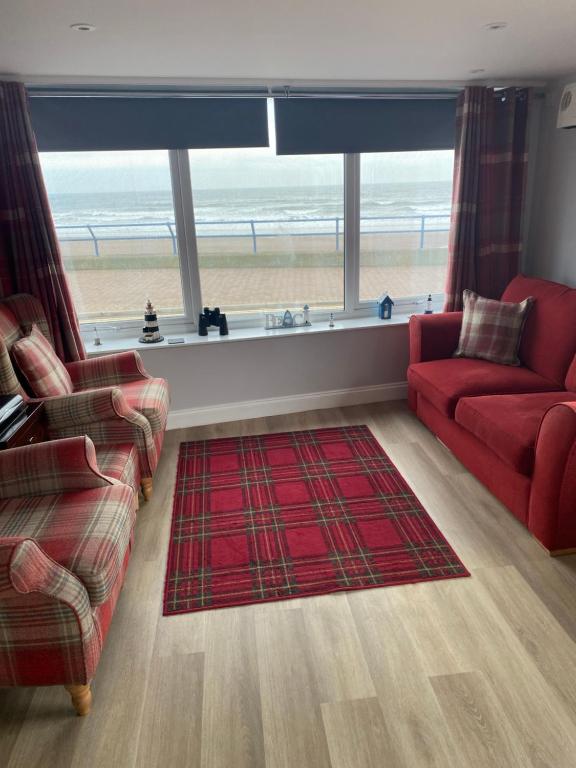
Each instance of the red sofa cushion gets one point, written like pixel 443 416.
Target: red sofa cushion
pixel 508 424
pixel 444 382
pixel 549 338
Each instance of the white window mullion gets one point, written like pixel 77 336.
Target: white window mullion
pixel 351 232
pixel 186 230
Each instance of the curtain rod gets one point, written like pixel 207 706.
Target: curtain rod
pixel 36 91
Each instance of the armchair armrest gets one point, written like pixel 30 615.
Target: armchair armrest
pixel 434 337
pixel 48 635
pixel 58 466
pixel 106 418
pixel 26 568
pixel 553 496
pixel 106 371
pixel 86 407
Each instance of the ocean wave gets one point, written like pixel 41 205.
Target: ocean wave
pixel 155 207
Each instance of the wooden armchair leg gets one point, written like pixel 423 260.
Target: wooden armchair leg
pixel 81 696
pixel 147 488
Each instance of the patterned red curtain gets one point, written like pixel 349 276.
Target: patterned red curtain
pixel 489 173
pixel 30 260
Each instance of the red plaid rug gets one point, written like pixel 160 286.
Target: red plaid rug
pixel 278 516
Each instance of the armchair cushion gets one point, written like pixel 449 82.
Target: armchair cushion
pixel 87 532
pixel 45 373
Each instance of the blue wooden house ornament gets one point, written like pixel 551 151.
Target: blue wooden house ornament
pixel 385 305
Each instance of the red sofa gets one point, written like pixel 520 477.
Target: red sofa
pixel 513 428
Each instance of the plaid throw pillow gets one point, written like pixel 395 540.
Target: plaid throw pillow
pixel 491 330
pixel 41 367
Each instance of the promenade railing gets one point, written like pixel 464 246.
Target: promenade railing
pixel 256 229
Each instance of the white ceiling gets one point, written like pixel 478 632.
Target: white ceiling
pixel 289 39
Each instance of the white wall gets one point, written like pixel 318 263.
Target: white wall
pixel 552 231
pixel 220 382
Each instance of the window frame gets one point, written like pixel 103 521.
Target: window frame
pixel 183 201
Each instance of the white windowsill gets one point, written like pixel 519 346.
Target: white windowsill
pixel 122 343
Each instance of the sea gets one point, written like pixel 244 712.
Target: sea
pixel 228 209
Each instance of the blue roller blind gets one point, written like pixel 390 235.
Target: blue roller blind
pixel 328 125
pixel 72 123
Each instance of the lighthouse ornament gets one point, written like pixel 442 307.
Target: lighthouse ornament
pixel 150 331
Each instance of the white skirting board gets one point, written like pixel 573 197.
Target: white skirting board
pixel 277 406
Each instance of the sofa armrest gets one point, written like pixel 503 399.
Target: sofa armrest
pixel 47 631
pixel 108 370
pixel 434 337
pixel 551 515
pixel 58 466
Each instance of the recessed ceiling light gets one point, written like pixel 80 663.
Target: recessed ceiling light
pixel 494 26
pixel 83 27
pixel 477 71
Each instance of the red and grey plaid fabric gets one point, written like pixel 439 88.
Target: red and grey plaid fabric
pixel 10 329
pixel 27 310
pixel 9 384
pixel 149 397
pixel 120 462
pixel 97 406
pixel 87 532
pixel 105 417
pixel 287 515
pixel 57 466
pixel 492 330
pixel 47 632
pixel 107 371
pixel 45 373
pixel 10 332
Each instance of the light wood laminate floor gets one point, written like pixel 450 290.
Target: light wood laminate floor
pixel 467 672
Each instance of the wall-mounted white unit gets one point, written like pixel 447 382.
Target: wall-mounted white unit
pixel 567 110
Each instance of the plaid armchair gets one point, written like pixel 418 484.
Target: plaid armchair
pixel 65 539
pixel 114 400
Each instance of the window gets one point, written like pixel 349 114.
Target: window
pixel 114 218
pixel 248 230
pixel 269 229
pixel 404 221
